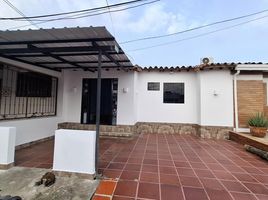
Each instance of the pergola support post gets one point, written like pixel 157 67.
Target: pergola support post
pixel 98 104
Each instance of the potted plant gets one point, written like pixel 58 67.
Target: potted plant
pixel 258 125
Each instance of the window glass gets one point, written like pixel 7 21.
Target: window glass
pixel 173 93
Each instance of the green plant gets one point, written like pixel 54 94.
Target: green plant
pixel 258 120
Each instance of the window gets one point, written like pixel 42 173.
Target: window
pixel 173 93
pixel 154 86
pixel 31 84
pixel 26 94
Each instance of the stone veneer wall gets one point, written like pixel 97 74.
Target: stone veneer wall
pixel 105 130
pixel 208 132
pixel 214 132
pixel 170 128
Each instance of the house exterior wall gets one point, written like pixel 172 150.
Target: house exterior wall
pixel 73 95
pixel 216 98
pixel 150 103
pixel 203 113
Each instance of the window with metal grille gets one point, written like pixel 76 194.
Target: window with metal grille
pixel 26 94
pixel 173 93
pixel 31 84
pixel 153 86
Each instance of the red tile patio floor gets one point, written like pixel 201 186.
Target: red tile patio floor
pixel 170 167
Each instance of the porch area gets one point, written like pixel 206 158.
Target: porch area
pixel 168 166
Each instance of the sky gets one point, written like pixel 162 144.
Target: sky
pixel 244 43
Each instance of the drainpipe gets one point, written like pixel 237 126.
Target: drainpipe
pixel 235 100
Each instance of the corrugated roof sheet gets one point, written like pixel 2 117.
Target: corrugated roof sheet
pixel 68 46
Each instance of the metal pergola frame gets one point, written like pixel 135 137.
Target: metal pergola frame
pixel 62 48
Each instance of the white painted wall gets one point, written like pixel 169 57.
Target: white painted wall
pixel 29 130
pixel 150 103
pixel 216 110
pixel 80 159
pixel 73 95
pixel 7 145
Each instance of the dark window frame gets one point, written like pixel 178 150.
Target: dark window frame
pixel 170 97
pixel 155 86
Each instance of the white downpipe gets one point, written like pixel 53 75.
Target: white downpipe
pixel 235 100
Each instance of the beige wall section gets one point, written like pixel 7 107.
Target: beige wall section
pixel 251 99
pixel 265 107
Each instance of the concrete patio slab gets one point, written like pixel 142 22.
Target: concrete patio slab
pixel 20 181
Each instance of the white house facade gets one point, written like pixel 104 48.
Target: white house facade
pixel 144 102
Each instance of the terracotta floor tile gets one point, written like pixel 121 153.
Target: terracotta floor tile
pixel 109 173
pixel 194 193
pixel 106 187
pixel 185 172
pixel 192 158
pixel 243 196
pixel 223 175
pixel 171 192
pixel 234 186
pixel 215 166
pixel 135 160
pixel 182 164
pixel 256 188
pixel 98 197
pixel 150 168
pixel 120 159
pixel 190 181
pixel 117 166
pixel 234 168
pixel 133 167
pixel 169 179
pixel 126 188
pixel 130 175
pixel 150 162
pixel 167 170
pixel 245 177
pixel 212 184
pixel 121 198
pixel 198 165
pixel 204 173
pixel 149 177
pixel 252 170
pixel 164 156
pixel 218 194
pixel 148 190
pixel 261 178
pixel 262 197
pixel 166 163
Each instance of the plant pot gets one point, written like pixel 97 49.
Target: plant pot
pixel 258 131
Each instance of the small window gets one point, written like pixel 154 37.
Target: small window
pixel 173 92
pixel 155 86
